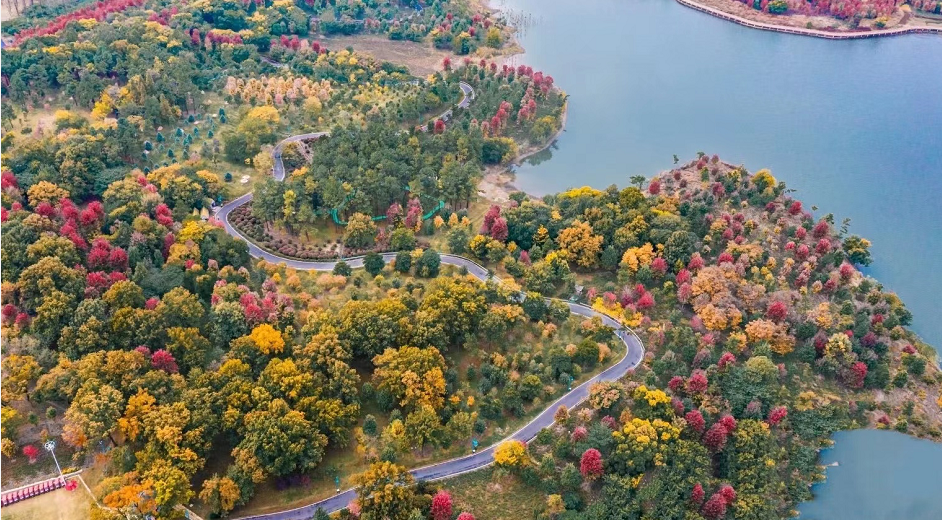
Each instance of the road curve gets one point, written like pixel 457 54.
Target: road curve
pixel 634 349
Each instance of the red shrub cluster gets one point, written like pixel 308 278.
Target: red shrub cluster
pixel 99 11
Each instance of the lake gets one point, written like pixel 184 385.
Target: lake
pixel 854 126
pixel 862 479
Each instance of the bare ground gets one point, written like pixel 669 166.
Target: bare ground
pixel 421 58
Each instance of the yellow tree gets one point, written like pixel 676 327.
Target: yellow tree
pixel 45 191
pixel 385 490
pixel 511 454
pixel 221 494
pixel 267 339
pixel 581 243
pixel 413 375
pixel 18 372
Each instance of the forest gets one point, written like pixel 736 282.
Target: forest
pixel 180 371
pixel 762 338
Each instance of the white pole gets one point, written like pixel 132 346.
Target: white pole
pixel 50 446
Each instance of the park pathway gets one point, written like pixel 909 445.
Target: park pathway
pixel 634 349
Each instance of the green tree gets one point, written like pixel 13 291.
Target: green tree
pixel 282 440
pixel 428 264
pixel 374 263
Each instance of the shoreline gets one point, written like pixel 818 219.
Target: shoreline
pixel 814 33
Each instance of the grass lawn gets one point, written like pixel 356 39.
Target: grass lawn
pixel 56 505
pixel 491 494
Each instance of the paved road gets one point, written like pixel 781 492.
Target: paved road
pixel 634 349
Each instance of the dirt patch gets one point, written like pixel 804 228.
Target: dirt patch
pixel 497 184
pixel 421 58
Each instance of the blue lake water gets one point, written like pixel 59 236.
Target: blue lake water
pixel 854 126
pixel 902 476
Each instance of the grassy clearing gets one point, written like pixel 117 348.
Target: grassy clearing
pixel 421 58
pixel 492 494
pixel 56 505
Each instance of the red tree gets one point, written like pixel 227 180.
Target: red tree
pixel 726 359
pixel 655 187
pixel 590 465
pixel 163 360
pixel 729 423
pixel 697 494
pixel 697 383
pixel 777 311
pixel 728 494
pixel 820 230
pixel 439 126
pixel 525 258
pixel 492 213
pixel 579 434
pixel 795 208
pixel 858 372
pixel 465 516
pixel 499 230
pixel 31 452
pixel 659 266
pixel 646 301
pixel 696 422
pixel 676 383
pixel 715 438
pixel 715 507
pixel 441 506
pixel 777 415
pixel 847 271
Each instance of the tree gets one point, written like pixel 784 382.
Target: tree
pixel 715 437
pixel 188 346
pixel 455 306
pixel 368 328
pixel 374 263
pixel 555 505
pixel 414 376
pixel 581 243
pixel 511 454
pixel 342 268
pixel 18 372
pixel 385 490
pixel 93 415
pixel 428 264
pixel 402 239
pixel 282 440
pixel 360 232
pixel 715 507
pixel 590 465
pixel 267 339
pixel 403 262
pixel 441 506
pixel 422 426
pixel 220 494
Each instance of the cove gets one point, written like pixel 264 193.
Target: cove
pixel 854 126
pixel 881 475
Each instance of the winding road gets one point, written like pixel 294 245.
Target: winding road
pixel 634 349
